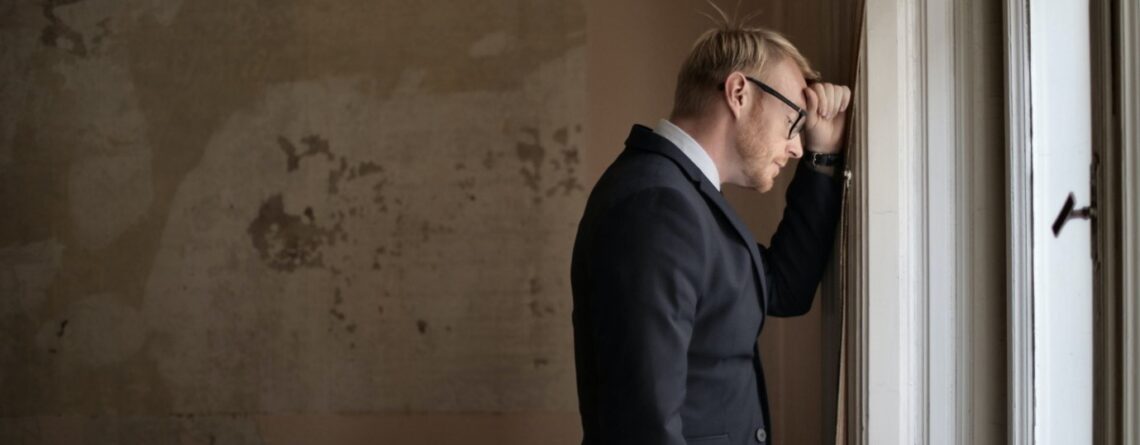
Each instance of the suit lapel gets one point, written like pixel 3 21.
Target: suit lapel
pixel 714 195
pixel 645 139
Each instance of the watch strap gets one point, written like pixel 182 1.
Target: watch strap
pixel 823 159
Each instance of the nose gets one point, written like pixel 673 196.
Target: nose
pixel 796 147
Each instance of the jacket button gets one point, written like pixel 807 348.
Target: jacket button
pixel 761 435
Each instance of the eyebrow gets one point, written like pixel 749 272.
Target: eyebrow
pixel 770 90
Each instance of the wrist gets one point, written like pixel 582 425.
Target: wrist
pixel 821 149
pixel 823 159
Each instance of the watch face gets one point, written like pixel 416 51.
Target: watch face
pixel 823 159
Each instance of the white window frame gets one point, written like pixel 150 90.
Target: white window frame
pixel 909 197
pixel 910 226
pixel 1048 380
pixel 892 347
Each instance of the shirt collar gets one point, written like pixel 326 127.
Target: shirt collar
pixel 690 148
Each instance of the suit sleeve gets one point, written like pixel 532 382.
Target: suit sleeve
pixel 803 242
pixel 645 269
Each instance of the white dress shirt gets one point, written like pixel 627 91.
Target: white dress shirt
pixel 690 148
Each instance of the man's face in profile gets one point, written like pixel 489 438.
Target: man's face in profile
pixel 762 144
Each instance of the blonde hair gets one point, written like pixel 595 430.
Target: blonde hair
pixel 723 50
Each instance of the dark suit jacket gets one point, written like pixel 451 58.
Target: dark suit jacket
pixel 671 291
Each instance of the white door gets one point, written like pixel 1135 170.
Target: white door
pixel 1061 151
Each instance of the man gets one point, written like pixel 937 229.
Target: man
pixel 670 288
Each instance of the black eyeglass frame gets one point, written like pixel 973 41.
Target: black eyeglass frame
pixel 800 113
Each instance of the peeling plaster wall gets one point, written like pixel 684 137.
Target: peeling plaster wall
pixel 218 212
pixel 328 221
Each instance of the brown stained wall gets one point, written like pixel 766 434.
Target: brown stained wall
pixel 219 212
pixel 238 221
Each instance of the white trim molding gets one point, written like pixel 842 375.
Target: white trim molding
pixel 1019 188
pixel 977 272
pixel 913 227
pixel 896 387
pixel 1130 180
pixel 945 217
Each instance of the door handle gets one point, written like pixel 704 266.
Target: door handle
pixel 1068 213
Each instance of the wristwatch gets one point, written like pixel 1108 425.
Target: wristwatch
pixel 823 159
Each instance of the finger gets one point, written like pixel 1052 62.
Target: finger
pixel 823 101
pixel 846 98
pixel 828 100
pixel 837 97
pixel 812 100
pixel 821 93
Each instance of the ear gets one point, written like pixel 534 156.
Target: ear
pixel 735 93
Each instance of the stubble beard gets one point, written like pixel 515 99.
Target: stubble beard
pixel 755 159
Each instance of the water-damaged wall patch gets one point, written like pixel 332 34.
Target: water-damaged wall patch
pixel 314 145
pixel 58 33
pixel 95 331
pixel 82 28
pixel 531 150
pixel 286 241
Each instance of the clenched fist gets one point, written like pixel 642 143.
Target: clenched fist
pixel 826 115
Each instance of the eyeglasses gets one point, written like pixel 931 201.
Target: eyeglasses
pixel 798 124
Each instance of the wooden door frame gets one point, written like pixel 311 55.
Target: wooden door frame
pixel 1107 230
pixel 1129 48
pixel 1116 70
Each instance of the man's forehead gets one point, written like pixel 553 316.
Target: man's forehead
pixel 789 81
pixel 794 91
pixel 798 96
